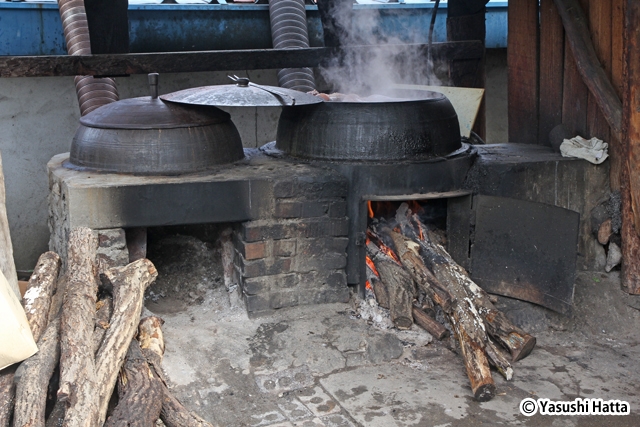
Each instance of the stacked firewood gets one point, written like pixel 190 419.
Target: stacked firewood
pixel 98 362
pixel 412 275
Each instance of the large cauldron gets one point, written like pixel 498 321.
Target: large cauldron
pixel 413 127
pixel 149 136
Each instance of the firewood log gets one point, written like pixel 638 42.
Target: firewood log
pixel 56 418
pixel 31 390
pixel 428 324
pixel 58 298
pixel 173 413
pixel 150 335
pixel 518 342
pixel 463 316
pixel 7 394
pixel 472 340
pixel 37 298
pixel 139 393
pixel 77 368
pixel 498 359
pixel 36 303
pixel 104 311
pixel 399 284
pixel 129 284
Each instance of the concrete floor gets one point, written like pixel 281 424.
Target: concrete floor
pixel 320 366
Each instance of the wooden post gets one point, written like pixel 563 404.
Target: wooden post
pixel 631 142
pixel 617 155
pixel 522 61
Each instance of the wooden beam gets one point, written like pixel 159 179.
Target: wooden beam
pixel 522 60
pixel 180 62
pixel 579 38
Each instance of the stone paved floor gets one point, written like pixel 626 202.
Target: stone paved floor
pixel 318 366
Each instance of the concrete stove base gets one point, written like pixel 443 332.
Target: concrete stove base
pixel 290 232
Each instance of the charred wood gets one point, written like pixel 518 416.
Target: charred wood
pixel 399 284
pixel 429 324
pixel 139 393
pixel 499 360
pixel 173 413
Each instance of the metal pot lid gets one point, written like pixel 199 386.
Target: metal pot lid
pixel 242 94
pixel 149 112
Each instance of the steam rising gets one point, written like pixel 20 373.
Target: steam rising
pixel 378 69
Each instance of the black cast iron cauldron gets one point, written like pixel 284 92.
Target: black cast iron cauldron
pixel 414 126
pixel 148 136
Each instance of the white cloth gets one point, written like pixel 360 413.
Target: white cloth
pixel 593 150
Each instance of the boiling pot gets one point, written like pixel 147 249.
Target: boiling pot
pixel 410 126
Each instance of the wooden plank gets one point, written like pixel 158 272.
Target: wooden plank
pixel 551 69
pixel 600 26
pixel 180 62
pixel 575 94
pixel 586 60
pixel 522 60
pixel 617 53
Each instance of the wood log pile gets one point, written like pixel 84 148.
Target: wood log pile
pixel 98 362
pixel 412 275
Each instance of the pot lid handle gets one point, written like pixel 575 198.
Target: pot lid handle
pixel 284 99
pixel 153 85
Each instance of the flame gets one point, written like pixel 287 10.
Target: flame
pixel 368 285
pixel 372 266
pixel 387 250
pixel 370 208
pixel 414 206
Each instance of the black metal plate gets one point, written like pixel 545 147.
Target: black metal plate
pixel 525 250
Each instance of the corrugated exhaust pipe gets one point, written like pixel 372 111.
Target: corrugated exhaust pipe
pixel 289 31
pixel 92 93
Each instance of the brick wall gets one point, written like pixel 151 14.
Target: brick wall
pixel 297 254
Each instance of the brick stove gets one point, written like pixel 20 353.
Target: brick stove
pixel 298 226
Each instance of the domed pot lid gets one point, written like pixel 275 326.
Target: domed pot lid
pixel 148 112
pixel 242 94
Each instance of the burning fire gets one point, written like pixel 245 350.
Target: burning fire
pixel 387 250
pixel 372 266
pixel 370 208
pixel 368 285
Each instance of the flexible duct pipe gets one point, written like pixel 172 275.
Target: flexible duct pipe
pixel 289 31
pixel 92 93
